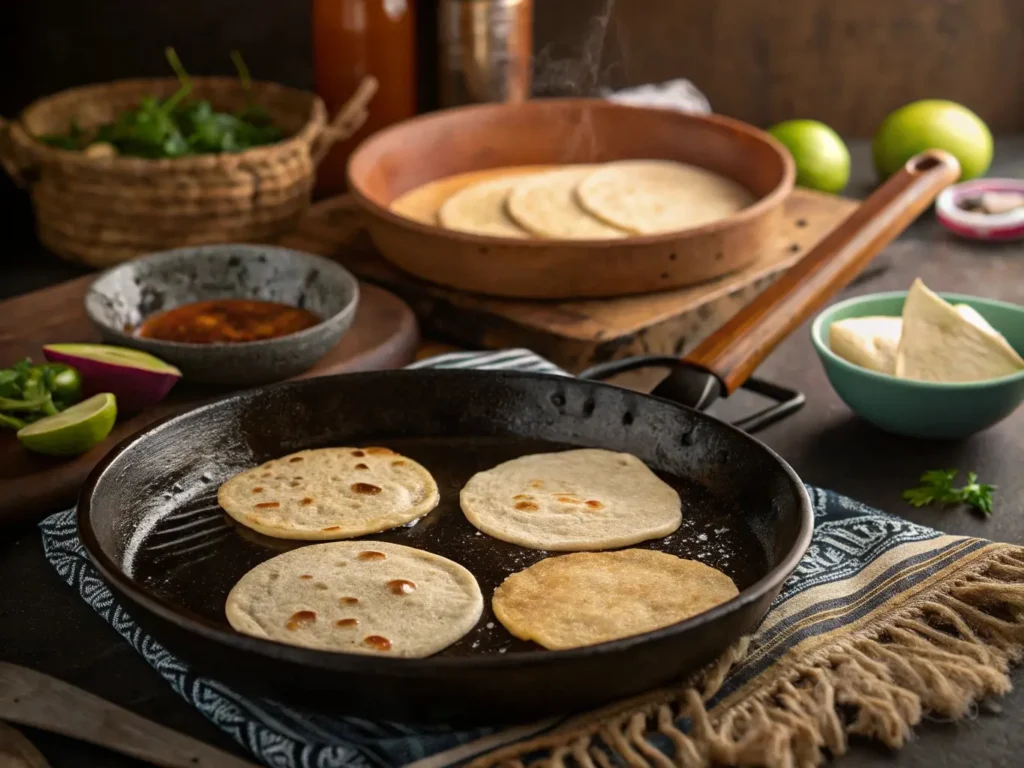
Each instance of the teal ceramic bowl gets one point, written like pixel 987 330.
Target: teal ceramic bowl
pixel 922 408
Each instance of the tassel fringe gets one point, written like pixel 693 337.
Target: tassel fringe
pixel 949 648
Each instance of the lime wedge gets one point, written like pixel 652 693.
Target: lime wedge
pixel 72 431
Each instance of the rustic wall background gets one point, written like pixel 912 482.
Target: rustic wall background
pixel 847 63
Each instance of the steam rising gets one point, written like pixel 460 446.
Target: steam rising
pixel 575 75
pixel 578 75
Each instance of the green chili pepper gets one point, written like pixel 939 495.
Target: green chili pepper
pixel 30 392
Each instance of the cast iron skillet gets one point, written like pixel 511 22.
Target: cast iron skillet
pixel 149 519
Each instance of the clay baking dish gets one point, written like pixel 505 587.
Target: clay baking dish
pixel 564 131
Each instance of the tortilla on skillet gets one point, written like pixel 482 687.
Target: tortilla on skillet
pixel 593 597
pixel 572 500
pixel 365 597
pixel 648 197
pixel 330 493
pixel 546 205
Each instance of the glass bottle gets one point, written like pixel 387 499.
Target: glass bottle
pixel 352 39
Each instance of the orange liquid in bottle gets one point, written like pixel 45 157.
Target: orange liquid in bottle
pixel 352 39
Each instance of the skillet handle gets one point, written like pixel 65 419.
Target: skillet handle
pixel 733 352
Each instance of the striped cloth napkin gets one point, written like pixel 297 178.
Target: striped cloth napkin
pixel 883 621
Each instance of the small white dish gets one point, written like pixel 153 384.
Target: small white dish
pixel 975 225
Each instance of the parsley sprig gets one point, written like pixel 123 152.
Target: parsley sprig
pixel 937 488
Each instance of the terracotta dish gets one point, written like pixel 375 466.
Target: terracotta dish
pixel 560 132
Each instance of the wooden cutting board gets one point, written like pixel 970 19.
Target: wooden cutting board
pixel 574 334
pixel 383 335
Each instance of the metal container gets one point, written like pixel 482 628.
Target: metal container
pixel 486 51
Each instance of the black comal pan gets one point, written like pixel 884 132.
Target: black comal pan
pixel 149 519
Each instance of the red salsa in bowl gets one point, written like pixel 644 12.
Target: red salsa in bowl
pixel 226 320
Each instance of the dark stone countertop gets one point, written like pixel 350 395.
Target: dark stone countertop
pixel 44 625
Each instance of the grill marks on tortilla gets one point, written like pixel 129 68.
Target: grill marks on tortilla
pixel 338 493
pixel 572 500
pixel 400 601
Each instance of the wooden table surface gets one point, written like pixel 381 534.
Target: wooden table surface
pixel 44 625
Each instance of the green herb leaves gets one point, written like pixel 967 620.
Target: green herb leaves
pixel 30 392
pixel 176 127
pixel 937 488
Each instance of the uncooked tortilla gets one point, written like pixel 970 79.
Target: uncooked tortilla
pixel 545 205
pixel 572 500
pixel 593 597
pixel 365 597
pixel 330 493
pixel 654 196
pixel 423 203
pixel 480 209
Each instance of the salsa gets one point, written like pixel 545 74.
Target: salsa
pixel 227 320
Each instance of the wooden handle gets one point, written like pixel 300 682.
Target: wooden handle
pixel 349 119
pixel 738 347
pixel 34 699
pixel 9 159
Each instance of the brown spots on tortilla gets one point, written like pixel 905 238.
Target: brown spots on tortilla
pixel 344 623
pixel 301 619
pixel 366 488
pixel 567 499
pixel 306 577
pixel 376 451
pixel 527 506
pixel 294 459
pixel 268 505
pixel 331 528
pixel 349 600
pixel 358 454
pixel 398 463
pixel 266 474
pixel 401 586
pixel 295 483
pixel 595 504
pixel 360 465
pixel 321 586
pixel 378 642
pixel 522 496
pixel 537 484
pixel 307 501
pixel 372 555
pixel 258 489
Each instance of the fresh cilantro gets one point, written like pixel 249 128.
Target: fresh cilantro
pixel 937 488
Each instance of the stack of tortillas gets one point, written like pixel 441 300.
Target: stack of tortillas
pixel 581 202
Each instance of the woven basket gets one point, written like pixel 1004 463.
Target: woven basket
pixel 101 211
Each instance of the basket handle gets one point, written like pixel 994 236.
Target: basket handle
pixel 10 158
pixel 349 119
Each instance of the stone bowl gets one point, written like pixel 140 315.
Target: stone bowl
pixel 121 298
